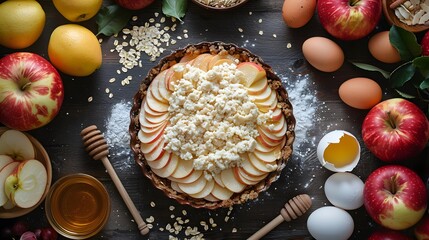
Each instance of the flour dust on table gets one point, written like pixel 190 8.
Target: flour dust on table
pixel 117 136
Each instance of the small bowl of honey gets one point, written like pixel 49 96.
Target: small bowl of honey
pixel 77 206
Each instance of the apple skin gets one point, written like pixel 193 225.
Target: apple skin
pixel 134 4
pixel 421 231
pixel 395 197
pixel 349 19
pixel 31 91
pixel 395 129
pixel 387 234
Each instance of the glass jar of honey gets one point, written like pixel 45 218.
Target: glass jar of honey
pixel 77 206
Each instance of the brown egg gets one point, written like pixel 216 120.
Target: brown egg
pixel 297 13
pixel 323 54
pixel 360 93
pixel 381 49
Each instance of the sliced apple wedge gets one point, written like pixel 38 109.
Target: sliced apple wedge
pixel 261 165
pixel 4 160
pixel 161 162
pixel 154 129
pixel 174 74
pixel 249 168
pixel 230 181
pixel 206 190
pixel 277 126
pixel 156 153
pixel 258 87
pixel 155 87
pixel 189 56
pixel 150 147
pixel 4 173
pixel 276 115
pixel 250 178
pixel 184 168
pixel 269 157
pixel 16 145
pixel 211 198
pixel 262 97
pixel 218 180
pixel 27 184
pixel 270 137
pixel 193 187
pixel 220 59
pixel 154 104
pixel 175 187
pixel 169 169
pixel 202 61
pixel 252 71
pixel 192 177
pixel 268 104
pixel 149 111
pixel 145 123
pixel 151 137
pixel 262 147
pixel 221 193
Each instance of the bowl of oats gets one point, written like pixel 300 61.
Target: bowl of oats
pixel 220 4
pixel 411 15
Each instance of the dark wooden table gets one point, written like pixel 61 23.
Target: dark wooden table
pixel 317 107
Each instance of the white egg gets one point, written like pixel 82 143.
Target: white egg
pixel 344 190
pixel 330 223
pixel 339 151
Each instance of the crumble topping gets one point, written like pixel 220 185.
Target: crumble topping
pixel 213 120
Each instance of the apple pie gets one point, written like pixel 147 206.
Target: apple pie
pixel 211 125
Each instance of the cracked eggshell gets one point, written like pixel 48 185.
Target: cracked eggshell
pixel 339 151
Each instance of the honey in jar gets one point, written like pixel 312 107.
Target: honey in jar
pixel 78 206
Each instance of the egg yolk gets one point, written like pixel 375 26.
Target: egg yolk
pixel 342 153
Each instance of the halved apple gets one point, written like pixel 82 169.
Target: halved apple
pixel 27 184
pixel 16 145
pixel 193 187
pixel 4 173
pixel 230 181
pixel 252 71
pixel 4 160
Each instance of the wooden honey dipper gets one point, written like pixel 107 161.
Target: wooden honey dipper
pixel 97 148
pixel 293 209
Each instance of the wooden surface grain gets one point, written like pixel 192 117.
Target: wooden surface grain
pixel 303 173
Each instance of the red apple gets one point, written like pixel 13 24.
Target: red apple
pixel 395 129
pixel 386 234
pixel 31 91
pixel 421 231
pixel 134 4
pixel 395 197
pixel 349 19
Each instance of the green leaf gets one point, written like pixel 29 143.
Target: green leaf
pixel 405 42
pixel 112 19
pixel 424 84
pixel 369 67
pixel 405 95
pixel 402 75
pixel 422 63
pixel 174 8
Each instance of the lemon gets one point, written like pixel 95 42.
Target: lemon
pixel 21 23
pixel 74 50
pixel 78 10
